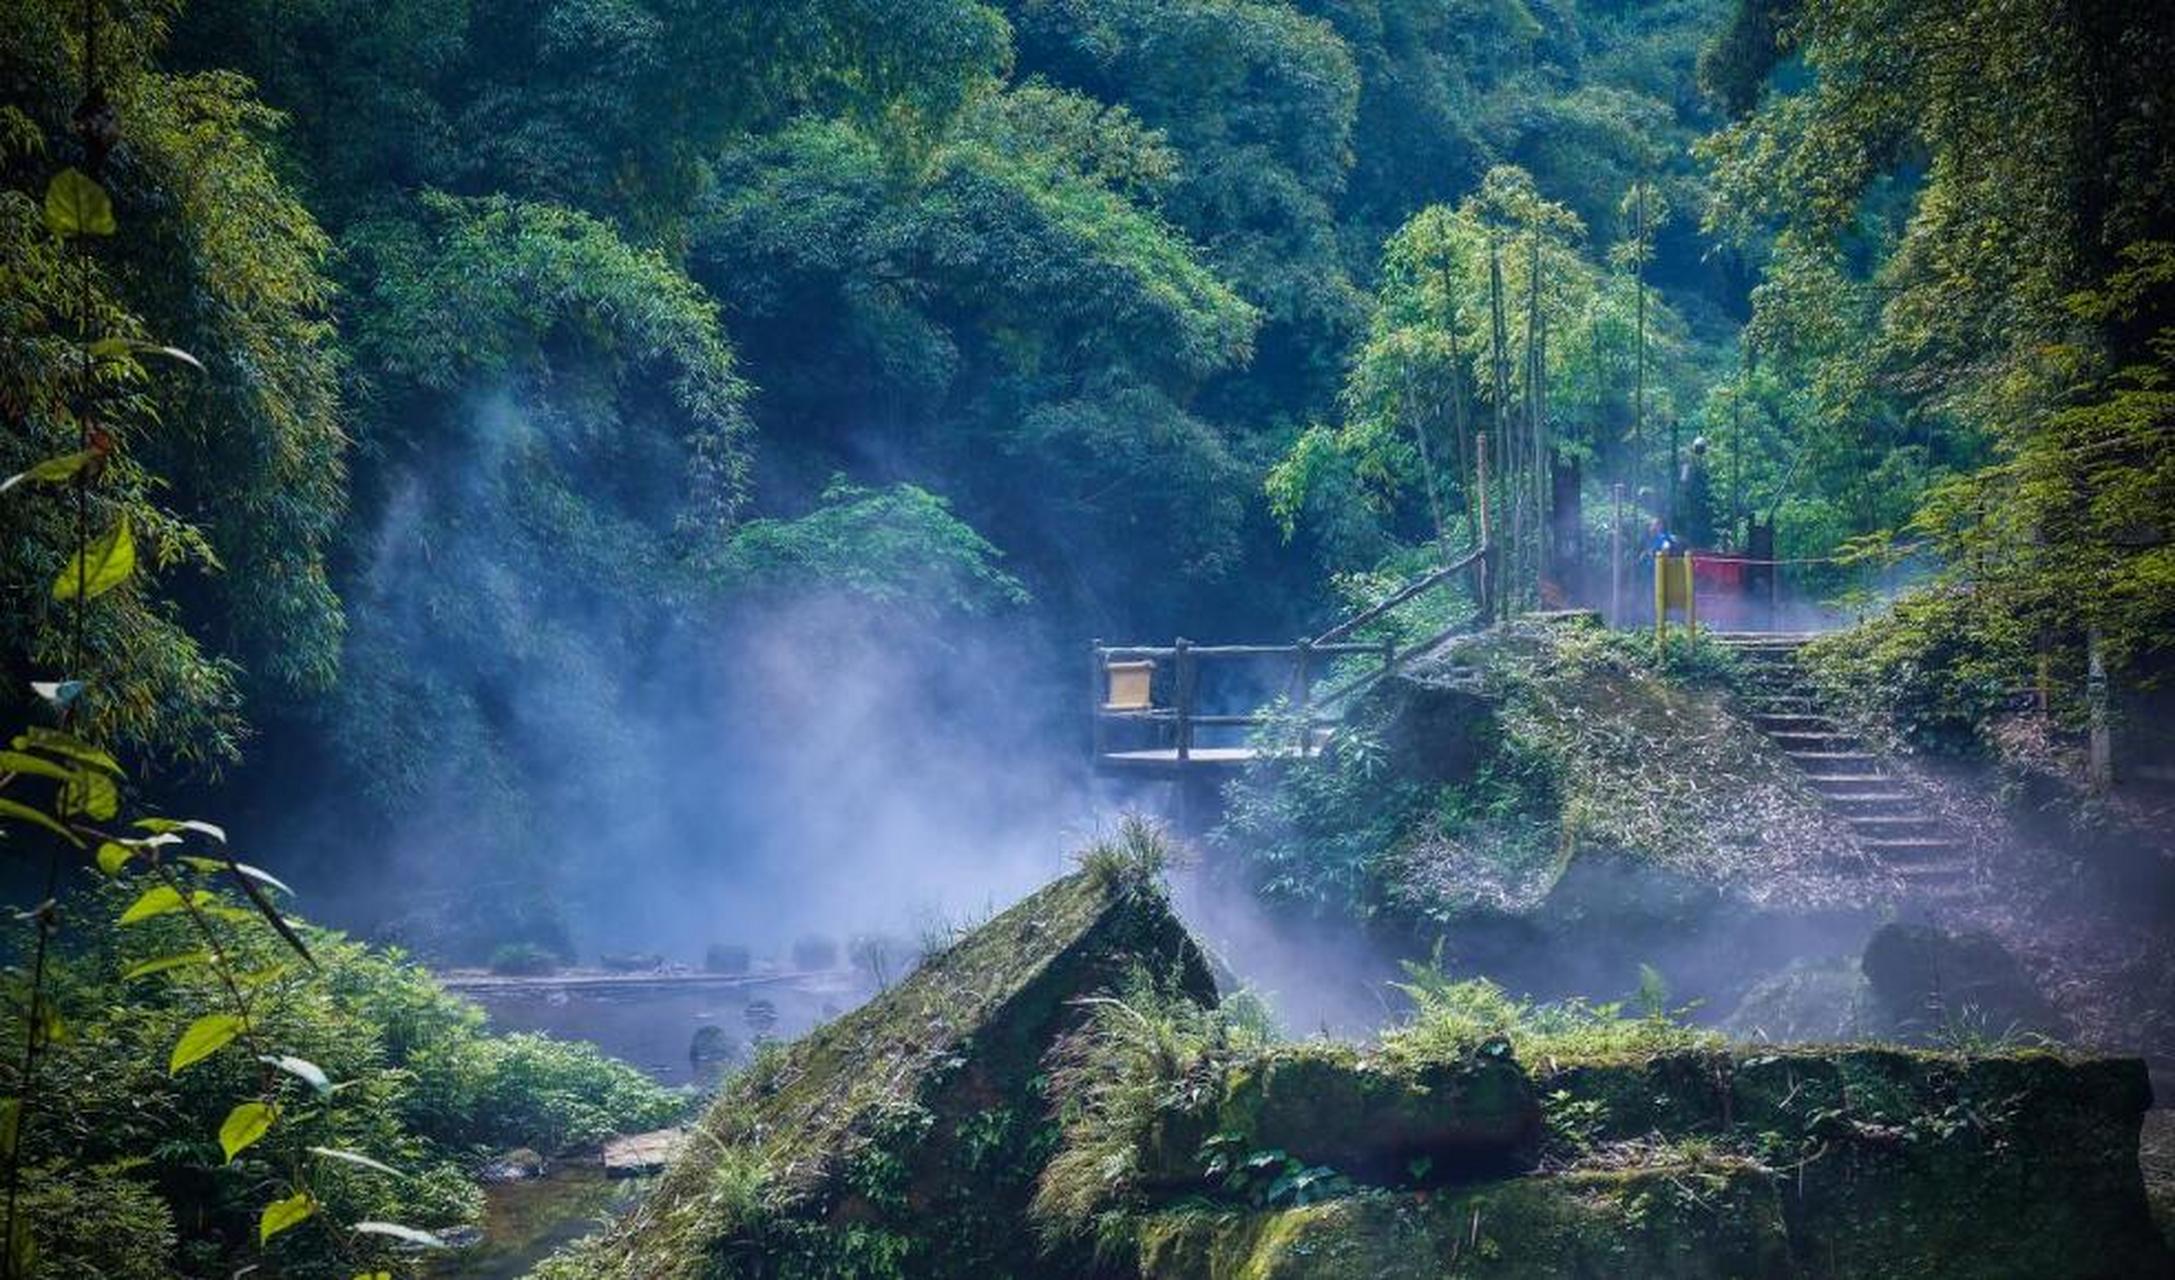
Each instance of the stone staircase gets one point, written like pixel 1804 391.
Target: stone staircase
pixel 1890 820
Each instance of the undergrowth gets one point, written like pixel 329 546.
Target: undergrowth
pixel 1452 1019
pixel 1137 1053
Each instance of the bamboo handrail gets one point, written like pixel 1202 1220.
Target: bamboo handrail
pixel 1349 625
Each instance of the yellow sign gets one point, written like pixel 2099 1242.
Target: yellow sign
pixel 1673 590
pixel 1129 686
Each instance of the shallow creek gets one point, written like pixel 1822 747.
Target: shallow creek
pixel 653 1027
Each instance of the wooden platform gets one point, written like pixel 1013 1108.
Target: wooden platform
pixel 476 980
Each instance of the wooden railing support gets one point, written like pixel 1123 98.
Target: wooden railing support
pixel 1182 698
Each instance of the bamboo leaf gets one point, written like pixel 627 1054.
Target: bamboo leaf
pixel 77 206
pixel 52 470
pixel 281 1215
pixel 100 567
pixel 205 1037
pixel 244 1126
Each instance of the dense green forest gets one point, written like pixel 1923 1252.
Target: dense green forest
pixel 422 411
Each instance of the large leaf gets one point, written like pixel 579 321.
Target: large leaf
pixel 77 206
pixel 279 1215
pixel 100 567
pixel 411 1235
pixel 301 1069
pixel 90 794
pixel 205 1037
pixel 52 470
pixel 244 1126
pixel 113 857
pixel 356 1158
pixel 23 812
pixel 114 348
pixel 58 742
pixel 160 900
pixel 183 960
pixel 169 826
pixel 24 762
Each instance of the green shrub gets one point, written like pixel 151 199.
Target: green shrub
pixel 123 1157
pixel 524 959
pixel 1451 1019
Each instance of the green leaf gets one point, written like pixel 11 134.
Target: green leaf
pixel 168 826
pixel 145 968
pixel 281 1214
pixel 100 567
pixel 22 1248
pixel 77 206
pixel 212 866
pixel 52 470
pixel 114 348
pixel 92 794
pixel 205 1037
pixel 58 692
pixel 301 1069
pixel 159 900
pixel 24 762
pixel 56 742
pixel 410 1235
pixel 356 1158
pixel 244 1126
pixel 113 857
pixel 23 812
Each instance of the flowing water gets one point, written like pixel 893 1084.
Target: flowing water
pixel 654 1027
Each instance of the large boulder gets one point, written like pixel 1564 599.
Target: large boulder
pixel 1329 1104
pixel 1930 983
pixel 904 1138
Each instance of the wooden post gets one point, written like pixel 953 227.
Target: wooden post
pixel 1487 546
pixel 2101 763
pixel 1616 555
pixel 1661 602
pixel 1691 596
pixel 1303 693
pixel 1182 697
pixel 1389 656
pixel 1098 675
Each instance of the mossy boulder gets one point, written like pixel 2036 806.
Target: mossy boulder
pixel 1329 1104
pixel 904 1138
pixel 1910 1162
pixel 1680 1218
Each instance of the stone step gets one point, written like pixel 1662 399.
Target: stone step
pixel 1816 741
pixel 1780 722
pixel 1870 797
pixel 1908 850
pixel 1894 824
pixel 1822 781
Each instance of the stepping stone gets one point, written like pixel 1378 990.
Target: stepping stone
pixel 642 1154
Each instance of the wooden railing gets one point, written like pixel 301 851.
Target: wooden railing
pixel 1312 709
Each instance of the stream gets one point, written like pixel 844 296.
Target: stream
pixel 653 1027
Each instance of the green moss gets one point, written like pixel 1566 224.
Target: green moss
pixel 903 1139
pixel 1682 1219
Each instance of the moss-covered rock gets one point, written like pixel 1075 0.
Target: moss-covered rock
pixel 1680 1218
pixel 904 1138
pixel 1329 1104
